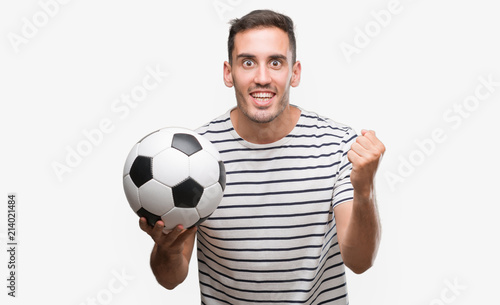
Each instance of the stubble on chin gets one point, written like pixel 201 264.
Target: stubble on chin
pixel 261 116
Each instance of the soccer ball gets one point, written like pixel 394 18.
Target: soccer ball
pixel 175 175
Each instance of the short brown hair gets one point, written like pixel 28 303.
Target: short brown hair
pixel 261 18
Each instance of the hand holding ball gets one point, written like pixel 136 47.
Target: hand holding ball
pixel 174 175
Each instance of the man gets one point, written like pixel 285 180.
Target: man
pixel 299 203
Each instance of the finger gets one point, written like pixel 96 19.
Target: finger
pixel 364 142
pixel 166 231
pixel 157 231
pixel 360 150
pixel 143 224
pixel 174 234
pixel 353 157
pixel 370 135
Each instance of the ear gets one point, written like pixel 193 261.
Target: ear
pixel 228 77
pixel 296 70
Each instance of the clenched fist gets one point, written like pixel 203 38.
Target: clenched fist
pixel 365 155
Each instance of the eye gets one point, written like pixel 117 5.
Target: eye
pixel 275 63
pixel 248 63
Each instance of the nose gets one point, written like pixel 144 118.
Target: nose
pixel 262 76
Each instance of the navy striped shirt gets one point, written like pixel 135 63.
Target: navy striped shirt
pixel 273 238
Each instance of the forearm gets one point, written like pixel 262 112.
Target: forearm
pixel 169 271
pixel 362 237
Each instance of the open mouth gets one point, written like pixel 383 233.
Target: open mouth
pixel 262 98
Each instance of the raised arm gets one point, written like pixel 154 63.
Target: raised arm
pixel 358 223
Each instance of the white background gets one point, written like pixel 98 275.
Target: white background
pixel 438 203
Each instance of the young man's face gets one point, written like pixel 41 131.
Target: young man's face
pixel 262 73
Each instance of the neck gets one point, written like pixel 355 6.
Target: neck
pixel 265 133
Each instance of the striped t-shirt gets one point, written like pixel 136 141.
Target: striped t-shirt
pixel 273 238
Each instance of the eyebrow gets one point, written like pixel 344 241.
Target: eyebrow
pixel 275 56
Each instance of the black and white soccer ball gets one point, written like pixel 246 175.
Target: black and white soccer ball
pixel 175 175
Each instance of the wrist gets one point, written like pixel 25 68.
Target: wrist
pixel 364 195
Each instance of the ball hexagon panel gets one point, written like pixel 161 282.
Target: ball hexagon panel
pixel 209 200
pixel 204 168
pixel 171 167
pixel 132 193
pixel 141 170
pixel 130 159
pixel 176 216
pixel 155 143
pixel 156 198
pixel 187 194
pixel 222 175
pixel 209 147
pixel 150 217
pixel 186 143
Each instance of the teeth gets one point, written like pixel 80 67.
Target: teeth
pixel 263 95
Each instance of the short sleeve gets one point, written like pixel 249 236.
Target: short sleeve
pixel 342 189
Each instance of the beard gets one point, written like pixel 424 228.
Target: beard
pixel 260 115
